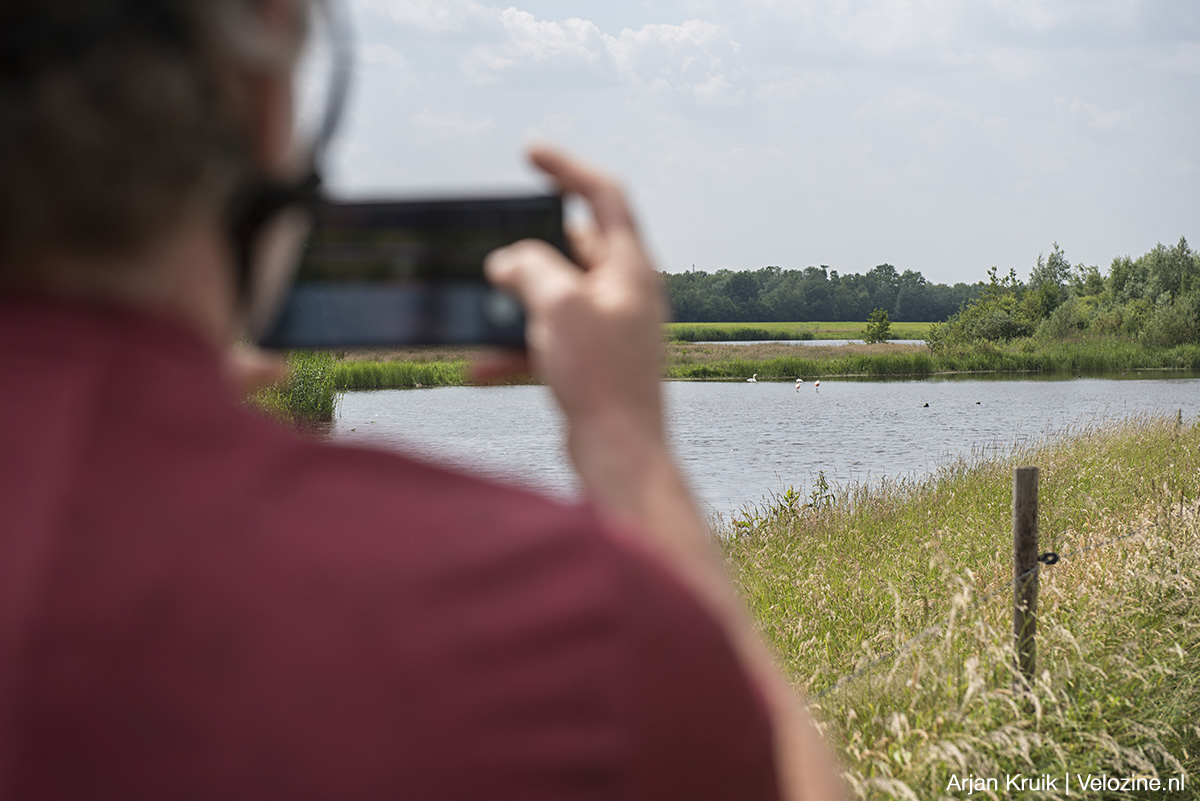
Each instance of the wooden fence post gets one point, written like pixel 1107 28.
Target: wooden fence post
pixel 1025 559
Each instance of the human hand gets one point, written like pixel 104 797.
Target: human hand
pixel 594 334
pixel 248 369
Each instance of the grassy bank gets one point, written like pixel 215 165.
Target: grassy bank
pixel 840 577
pixel 311 394
pixel 352 375
pixel 729 332
pixel 718 361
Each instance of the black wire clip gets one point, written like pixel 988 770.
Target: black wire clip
pixel 1049 558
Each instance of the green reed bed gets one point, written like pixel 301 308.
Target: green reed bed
pixel 786 367
pixel 684 332
pixel 704 361
pixel 717 361
pixel 355 375
pixel 732 332
pixel 307 396
pixel 840 577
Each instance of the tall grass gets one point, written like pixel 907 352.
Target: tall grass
pixel 308 395
pixel 838 578
pixel 1023 356
pixel 684 332
pixel 728 332
pixel 352 375
pixel 705 361
pixel 909 362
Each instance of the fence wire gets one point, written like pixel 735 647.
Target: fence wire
pixel 906 648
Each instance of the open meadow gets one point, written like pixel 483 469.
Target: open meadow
pixel 842 579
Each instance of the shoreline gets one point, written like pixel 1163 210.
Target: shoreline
pixel 401 368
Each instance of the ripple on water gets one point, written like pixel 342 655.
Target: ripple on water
pixel 739 442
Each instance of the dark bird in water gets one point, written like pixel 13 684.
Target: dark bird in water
pixel 976 403
pixel 926 406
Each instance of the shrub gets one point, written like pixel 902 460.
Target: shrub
pixel 879 327
pixel 1064 322
pixel 1173 323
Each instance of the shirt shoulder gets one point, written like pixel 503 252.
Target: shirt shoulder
pixel 701 727
pixel 221 609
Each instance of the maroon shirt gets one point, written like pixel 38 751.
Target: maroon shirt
pixel 195 604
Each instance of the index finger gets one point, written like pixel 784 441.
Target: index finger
pixel 601 192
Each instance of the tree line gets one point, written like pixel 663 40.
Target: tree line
pixel 816 294
pixel 1153 299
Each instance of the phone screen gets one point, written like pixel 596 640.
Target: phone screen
pixel 409 273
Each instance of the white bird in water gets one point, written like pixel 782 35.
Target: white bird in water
pixel 798 383
pixel 753 379
pixel 817 384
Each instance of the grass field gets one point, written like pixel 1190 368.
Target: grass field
pixel 695 332
pixel 840 577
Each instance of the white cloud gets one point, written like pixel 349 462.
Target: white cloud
pixel 1096 117
pixel 450 124
pixel 530 41
pixel 717 91
pixel 555 124
pixel 669 52
pixel 1038 16
pixel 433 16
pixel 786 86
pixel 381 59
pixel 920 133
pixel 689 58
pixel 983 128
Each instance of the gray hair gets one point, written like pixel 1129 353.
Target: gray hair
pixel 109 144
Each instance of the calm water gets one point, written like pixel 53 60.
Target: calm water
pixel 738 442
pixel 812 343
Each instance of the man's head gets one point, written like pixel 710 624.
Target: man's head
pixel 122 120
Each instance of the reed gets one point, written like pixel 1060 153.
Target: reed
pixel 307 396
pixel 356 375
pixel 684 332
pixel 729 332
pixel 840 576
pixel 704 361
pixel 1098 356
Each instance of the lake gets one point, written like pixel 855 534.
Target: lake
pixel 739 442
pixel 809 342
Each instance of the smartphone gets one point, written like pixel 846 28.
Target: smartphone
pixel 384 273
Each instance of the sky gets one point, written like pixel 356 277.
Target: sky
pixel 944 136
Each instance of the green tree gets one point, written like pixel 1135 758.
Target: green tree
pixel 879 327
